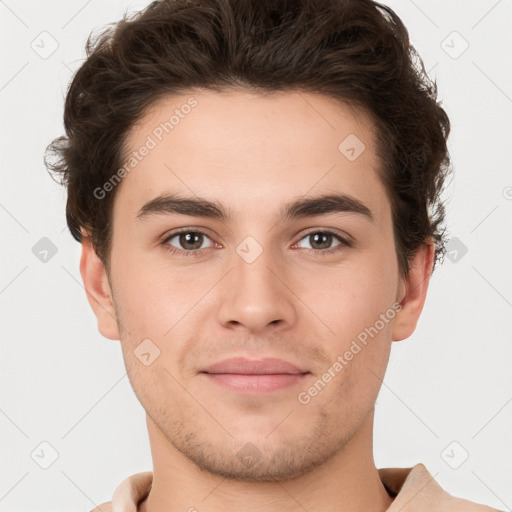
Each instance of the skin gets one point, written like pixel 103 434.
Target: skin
pixel 253 154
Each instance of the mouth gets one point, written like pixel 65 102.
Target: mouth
pixel 254 376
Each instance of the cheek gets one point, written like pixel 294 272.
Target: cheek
pixel 352 298
pixel 358 305
pixel 155 308
pixel 148 300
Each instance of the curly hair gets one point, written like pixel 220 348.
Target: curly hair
pixel 355 51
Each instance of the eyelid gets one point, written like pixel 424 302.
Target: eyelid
pixel 173 232
pixel 345 237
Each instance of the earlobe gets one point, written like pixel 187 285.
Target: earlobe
pixel 98 290
pixel 416 286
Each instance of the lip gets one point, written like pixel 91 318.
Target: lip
pixel 254 376
pixel 244 366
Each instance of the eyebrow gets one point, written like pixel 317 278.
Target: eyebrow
pixel 297 209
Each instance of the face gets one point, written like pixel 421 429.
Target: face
pixel 272 269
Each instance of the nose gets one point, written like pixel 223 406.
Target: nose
pixel 257 293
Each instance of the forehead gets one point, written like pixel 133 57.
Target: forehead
pixel 251 150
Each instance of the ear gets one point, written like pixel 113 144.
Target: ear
pixel 416 286
pixel 97 287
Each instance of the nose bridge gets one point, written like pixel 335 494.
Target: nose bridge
pixel 256 295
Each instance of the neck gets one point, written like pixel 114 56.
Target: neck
pixel 346 482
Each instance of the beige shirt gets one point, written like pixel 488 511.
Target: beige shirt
pixel 413 489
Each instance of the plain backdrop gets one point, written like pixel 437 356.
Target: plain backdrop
pixel 71 426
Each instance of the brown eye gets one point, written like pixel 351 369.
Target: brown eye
pixel 191 240
pixel 186 241
pixel 321 242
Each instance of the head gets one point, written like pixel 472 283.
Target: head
pixel 258 180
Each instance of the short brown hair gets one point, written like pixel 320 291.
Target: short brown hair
pixel 356 51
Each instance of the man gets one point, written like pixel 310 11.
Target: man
pixel 256 189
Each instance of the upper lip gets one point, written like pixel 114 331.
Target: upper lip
pixel 244 366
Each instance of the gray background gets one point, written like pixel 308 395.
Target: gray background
pixel 447 394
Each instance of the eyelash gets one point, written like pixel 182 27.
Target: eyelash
pixel 344 242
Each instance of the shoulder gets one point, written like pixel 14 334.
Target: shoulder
pixel 462 505
pixel 448 501
pixel 104 507
pixel 417 491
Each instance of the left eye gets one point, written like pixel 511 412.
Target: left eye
pixel 323 240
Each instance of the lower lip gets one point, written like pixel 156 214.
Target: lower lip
pixel 256 383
